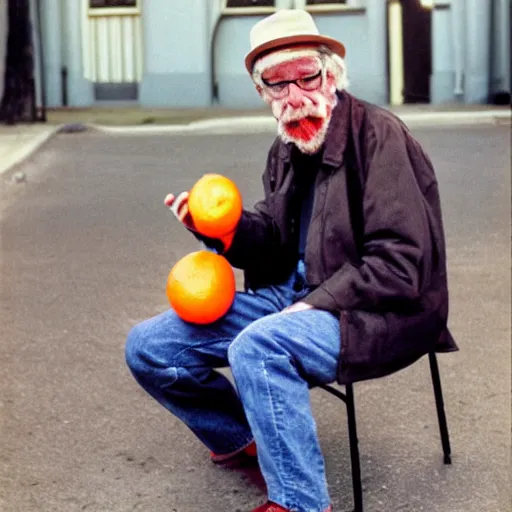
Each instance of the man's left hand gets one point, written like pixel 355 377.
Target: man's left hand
pixel 298 306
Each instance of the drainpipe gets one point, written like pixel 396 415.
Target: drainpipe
pixel 64 86
pixel 42 77
pixel 213 78
pixel 458 37
pixel 493 50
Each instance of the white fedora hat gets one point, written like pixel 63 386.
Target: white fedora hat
pixel 287 27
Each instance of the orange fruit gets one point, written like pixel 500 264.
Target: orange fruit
pixel 201 287
pixel 215 205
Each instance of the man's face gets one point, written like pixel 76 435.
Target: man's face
pixel 302 97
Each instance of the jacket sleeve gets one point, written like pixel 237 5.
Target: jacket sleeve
pixel 396 256
pixel 257 235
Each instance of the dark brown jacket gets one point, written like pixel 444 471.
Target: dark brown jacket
pixel 375 247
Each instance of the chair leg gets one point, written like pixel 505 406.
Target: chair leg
pixel 354 450
pixel 438 393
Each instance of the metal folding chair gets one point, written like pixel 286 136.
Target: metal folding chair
pixel 348 399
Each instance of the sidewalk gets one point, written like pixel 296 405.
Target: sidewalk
pixel 18 142
pixel 138 116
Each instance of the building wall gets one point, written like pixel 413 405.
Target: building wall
pixel 363 32
pixel 193 55
pixel 447 65
pixel 471 50
pixel 231 44
pixel 176 54
pixel 51 21
pixel 61 38
pixel 501 57
pixel 366 67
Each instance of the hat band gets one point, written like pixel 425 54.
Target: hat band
pixel 279 57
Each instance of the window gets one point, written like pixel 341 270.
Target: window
pixel 325 2
pixel 332 5
pixel 98 4
pixel 250 3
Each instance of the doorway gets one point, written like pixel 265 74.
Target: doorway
pixel 409 51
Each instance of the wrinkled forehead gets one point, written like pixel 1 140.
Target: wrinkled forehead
pixel 286 64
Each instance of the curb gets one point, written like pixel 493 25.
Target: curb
pixel 263 124
pixel 239 125
pixel 27 150
pixel 217 126
pixel 456 118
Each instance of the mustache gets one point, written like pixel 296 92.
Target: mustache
pixel 286 114
pixel 308 135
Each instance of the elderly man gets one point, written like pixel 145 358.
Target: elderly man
pixel 344 264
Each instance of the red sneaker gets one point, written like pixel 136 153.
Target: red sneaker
pixel 274 507
pixel 246 456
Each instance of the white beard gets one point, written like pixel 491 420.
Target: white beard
pixel 309 147
pixel 317 110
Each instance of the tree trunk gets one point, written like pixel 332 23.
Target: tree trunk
pixel 18 101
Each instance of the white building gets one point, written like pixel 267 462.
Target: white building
pixel 190 53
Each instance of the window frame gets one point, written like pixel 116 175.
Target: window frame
pixel 336 3
pixel 246 11
pixel 114 11
pixel 349 7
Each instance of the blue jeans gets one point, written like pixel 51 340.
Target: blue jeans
pixel 274 358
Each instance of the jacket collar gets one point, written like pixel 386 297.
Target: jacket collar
pixel 337 134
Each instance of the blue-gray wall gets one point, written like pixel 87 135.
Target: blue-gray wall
pixel 61 37
pixel 363 33
pixel 235 88
pixel 176 54
pixel 468 63
pixel 477 46
pixel 500 63
pixel 447 56
pixel 51 14
pixel 80 90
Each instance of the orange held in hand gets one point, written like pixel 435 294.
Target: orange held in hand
pixel 201 287
pixel 215 205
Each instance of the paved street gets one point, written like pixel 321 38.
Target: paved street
pixel 86 246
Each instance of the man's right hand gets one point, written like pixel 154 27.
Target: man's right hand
pixel 179 207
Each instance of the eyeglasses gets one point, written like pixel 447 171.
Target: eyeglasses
pixel 281 89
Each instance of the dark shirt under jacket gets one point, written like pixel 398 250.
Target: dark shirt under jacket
pixel 306 169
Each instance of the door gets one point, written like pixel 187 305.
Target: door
pixel 409 50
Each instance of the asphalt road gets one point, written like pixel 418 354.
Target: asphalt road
pixel 86 245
